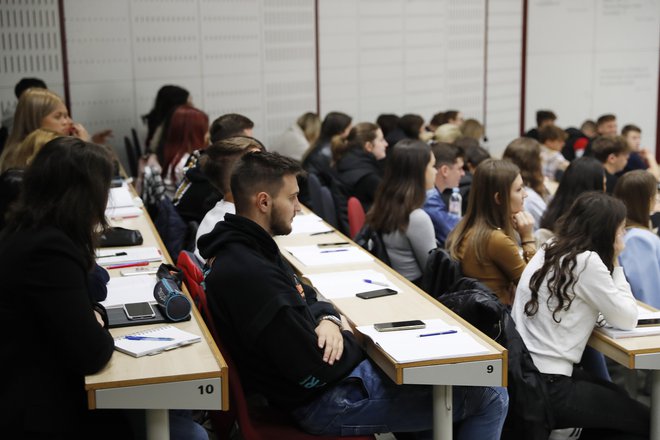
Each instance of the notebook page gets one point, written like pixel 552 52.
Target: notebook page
pixel 325 256
pixel 149 347
pixel 346 284
pixel 136 254
pixel 122 290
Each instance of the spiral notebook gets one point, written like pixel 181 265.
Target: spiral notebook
pixel 149 346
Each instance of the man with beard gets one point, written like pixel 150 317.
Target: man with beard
pixel 296 351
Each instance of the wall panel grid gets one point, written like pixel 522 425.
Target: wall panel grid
pixel 29 46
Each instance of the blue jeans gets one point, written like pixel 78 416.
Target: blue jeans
pixel 368 402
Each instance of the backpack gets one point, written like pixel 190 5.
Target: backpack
pixel 371 240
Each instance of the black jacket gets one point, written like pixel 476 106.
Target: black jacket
pixel 358 170
pixel 195 195
pixel 52 339
pixel 267 325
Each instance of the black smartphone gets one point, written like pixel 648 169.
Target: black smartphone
pixel 376 293
pixel 652 321
pixel 141 310
pixel 399 325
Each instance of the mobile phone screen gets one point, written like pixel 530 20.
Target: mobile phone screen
pixel 651 321
pixel 141 310
pixel 399 325
pixel 376 293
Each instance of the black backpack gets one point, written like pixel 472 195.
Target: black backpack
pixel 371 240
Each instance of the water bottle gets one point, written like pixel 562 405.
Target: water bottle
pixel 455 202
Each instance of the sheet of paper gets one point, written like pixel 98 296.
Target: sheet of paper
pixel 120 197
pixel 123 212
pixel 409 346
pixel 122 290
pixel 347 284
pixel 326 256
pixel 149 346
pixel 634 333
pixel 308 224
pixel 114 256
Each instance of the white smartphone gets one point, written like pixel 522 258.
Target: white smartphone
pixel 142 270
pixel 399 325
pixel 141 310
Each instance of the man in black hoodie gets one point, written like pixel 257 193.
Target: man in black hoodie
pixel 295 350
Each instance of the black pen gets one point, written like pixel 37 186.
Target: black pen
pixel 118 254
pixel 322 233
pixel 339 243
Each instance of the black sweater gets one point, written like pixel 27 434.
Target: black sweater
pixel 51 338
pixel 358 170
pixel 267 326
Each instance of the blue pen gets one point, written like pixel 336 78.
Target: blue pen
pixel 378 283
pixel 334 250
pixel 146 338
pixel 448 332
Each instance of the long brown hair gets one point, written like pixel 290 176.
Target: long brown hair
pixel 403 188
pixel 357 138
pixel 637 190
pixel 589 225
pixel 526 153
pixel 484 214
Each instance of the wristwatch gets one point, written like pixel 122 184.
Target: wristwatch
pixel 332 319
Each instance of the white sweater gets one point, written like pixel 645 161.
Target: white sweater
pixel 555 347
pixel 215 215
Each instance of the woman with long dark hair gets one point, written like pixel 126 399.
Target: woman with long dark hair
pixel 168 98
pixel 397 211
pixel 47 251
pixel 318 158
pixel 573 279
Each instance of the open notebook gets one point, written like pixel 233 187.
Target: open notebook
pixel 146 344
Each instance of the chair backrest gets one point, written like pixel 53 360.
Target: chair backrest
pixel 355 216
pixel 315 197
pixel 136 142
pixel 329 210
pixel 131 157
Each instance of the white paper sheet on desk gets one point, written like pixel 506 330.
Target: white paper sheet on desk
pixel 346 284
pixel 326 256
pixel 112 256
pixel 634 333
pixel 407 346
pixel 123 290
pixel 120 197
pixel 308 224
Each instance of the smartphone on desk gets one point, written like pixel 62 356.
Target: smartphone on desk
pixel 140 310
pixel 376 293
pixel 399 325
pixel 652 321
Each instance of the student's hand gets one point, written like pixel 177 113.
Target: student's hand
pixel 99 318
pixel 523 222
pixel 331 340
pixel 79 131
pixel 102 136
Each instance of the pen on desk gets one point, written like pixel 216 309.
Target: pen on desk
pixel 447 332
pixel 333 250
pixel 117 254
pixel 378 283
pixel 321 233
pixel 134 264
pixel 339 243
pixel 146 338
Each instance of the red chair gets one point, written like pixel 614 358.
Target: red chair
pixel 355 216
pixel 255 423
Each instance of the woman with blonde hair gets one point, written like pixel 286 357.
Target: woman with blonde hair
pixel 21 156
pixel 526 154
pixel 447 133
pixel 485 241
pixel 641 257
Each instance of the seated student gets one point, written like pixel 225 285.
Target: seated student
pixel 485 240
pixel 449 165
pixel 397 212
pixel 410 126
pixel 447 133
pixel 606 125
pixel 563 290
pixel 216 164
pixel 589 128
pixel 612 152
pixel 57 334
pixel 168 98
pixel 583 174
pixel 544 118
pixel 526 154
pixel 641 257
pixel 552 139
pixel 8 114
pixel 356 161
pixel 387 123
pixel 471 128
pixel 195 195
pixel 299 136
pixel 318 158
pixel 640 158
pixel 294 349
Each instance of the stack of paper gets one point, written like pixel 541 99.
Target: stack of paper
pixel 154 341
pixel 442 341
pixel 346 284
pixel 109 257
pixel 325 256
pixel 120 203
pixel 122 290
pixel 634 333
pixel 308 224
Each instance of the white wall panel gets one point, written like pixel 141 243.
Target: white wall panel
pixel 604 60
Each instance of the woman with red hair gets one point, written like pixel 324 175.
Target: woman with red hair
pixel 188 131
